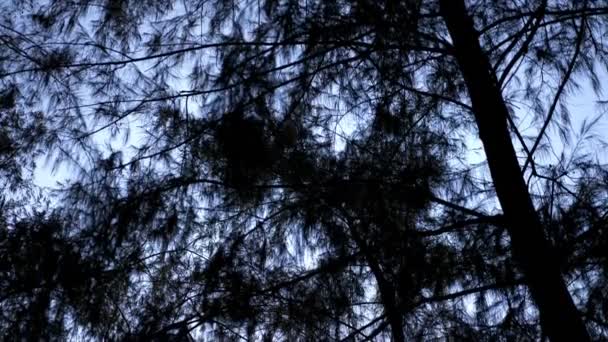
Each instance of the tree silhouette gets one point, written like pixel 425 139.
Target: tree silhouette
pixel 301 170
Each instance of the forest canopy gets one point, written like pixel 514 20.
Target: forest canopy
pixel 303 170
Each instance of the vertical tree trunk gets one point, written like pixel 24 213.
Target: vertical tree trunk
pixel 387 291
pixel 560 319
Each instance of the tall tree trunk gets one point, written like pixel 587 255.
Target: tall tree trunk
pixel 560 319
pixel 392 311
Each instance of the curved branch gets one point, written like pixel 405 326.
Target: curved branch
pixel 560 90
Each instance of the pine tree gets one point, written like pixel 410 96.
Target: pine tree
pixel 300 170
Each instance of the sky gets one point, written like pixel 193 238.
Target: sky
pixel 582 105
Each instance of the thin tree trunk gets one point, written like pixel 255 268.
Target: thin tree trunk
pixel 560 319
pixel 388 293
pixel 393 314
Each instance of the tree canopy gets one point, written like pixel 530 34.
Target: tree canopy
pixel 302 170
